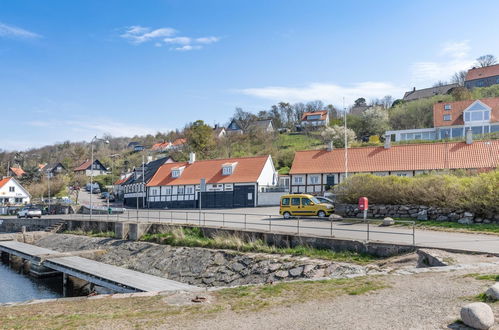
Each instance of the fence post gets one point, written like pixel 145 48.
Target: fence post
pixel 270 224
pixel 331 228
pixel 244 221
pixel 413 233
pixel 367 230
pixel 186 218
pixel 298 226
pixel 204 218
pixel 223 220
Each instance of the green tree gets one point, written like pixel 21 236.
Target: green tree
pixel 200 138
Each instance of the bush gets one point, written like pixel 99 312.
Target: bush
pixel 474 193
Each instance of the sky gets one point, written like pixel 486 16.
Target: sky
pixel 71 70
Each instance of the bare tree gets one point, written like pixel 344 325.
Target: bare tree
pixel 387 101
pixel 440 83
pixel 486 60
pixel 459 77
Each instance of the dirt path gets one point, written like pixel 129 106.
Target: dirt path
pixel 421 301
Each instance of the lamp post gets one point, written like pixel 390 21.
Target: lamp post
pixel 95 138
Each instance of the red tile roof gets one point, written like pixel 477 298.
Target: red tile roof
pixel 120 181
pixel 457 111
pixel 411 157
pixel 4 181
pixel 247 170
pixel 479 73
pixel 17 171
pixel 84 166
pixel 160 146
pixel 323 114
pixel 179 142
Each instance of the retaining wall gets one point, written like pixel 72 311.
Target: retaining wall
pixel 417 212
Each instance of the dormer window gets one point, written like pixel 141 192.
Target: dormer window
pixel 177 171
pixel 478 111
pixel 447 117
pixel 448 107
pixel 228 168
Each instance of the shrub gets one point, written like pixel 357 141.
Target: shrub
pixel 475 193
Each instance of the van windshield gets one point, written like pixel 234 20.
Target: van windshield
pixel 315 200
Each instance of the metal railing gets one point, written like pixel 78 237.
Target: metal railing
pixel 360 229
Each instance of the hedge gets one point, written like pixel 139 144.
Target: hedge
pixel 475 193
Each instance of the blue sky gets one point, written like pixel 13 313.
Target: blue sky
pixel 70 70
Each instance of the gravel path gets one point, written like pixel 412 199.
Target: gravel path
pixel 420 301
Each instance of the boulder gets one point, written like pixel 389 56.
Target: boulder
pixel 282 274
pixel 433 258
pixel 335 217
pixel 388 222
pixel 468 215
pixel 477 315
pixel 465 221
pixel 423 215
pixel 493 292
pixel 297 271
pixel 442 218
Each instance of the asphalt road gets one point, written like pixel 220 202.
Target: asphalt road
pixel 268 219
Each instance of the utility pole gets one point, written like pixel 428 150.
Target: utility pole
pixel 346 139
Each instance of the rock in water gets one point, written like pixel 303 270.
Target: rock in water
pixel 477 315
pixel 493 292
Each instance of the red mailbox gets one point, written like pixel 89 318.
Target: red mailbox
pixel 363 203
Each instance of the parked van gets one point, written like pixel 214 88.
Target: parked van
pixel 303 205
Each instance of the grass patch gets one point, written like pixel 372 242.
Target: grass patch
pixel 482 297
pixel 487 228
pixel 153 312
pixel 193 237
pixel 286 293
pixel 484 277
pixel 92 233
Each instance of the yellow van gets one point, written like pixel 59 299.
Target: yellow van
pixel 303 205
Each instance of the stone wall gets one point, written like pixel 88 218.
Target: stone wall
pixel 417 212
pixel 200 266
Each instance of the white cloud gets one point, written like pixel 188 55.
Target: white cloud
pixel 456 49
pixel 178 40
pixel 331 93
pixel 10 31
pixel 456 57
pixel 187 48
pixel 138 34
pixel 207 40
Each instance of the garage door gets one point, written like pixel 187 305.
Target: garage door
pixel 244 196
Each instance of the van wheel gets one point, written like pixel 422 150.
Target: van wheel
pixel 321 214
pixel 286 215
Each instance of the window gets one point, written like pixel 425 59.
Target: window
pixel 457 132
pixel 175 173
pixel 295 201
pixel 181 190
pixel 314 179
pixel 285 202
pixel 19 200
pixel 189 190
pixel 12 189
pixel 314 117
pixel 447 117
pixel 305 201
pixel 168 190
pixel 227 170
pixel 448 107
pixel 298 179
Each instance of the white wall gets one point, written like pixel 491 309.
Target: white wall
pixel 19 192
pixel 269 198
pixel 268 177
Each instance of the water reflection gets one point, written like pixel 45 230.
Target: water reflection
pixel 16 287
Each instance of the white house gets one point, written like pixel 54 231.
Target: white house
pixel 316 171
pixel 89 169
pixel 13 193
pixel 233 182
pixel 315 119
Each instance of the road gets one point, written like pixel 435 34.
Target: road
pixel 268 219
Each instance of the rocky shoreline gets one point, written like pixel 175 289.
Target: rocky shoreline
pixel 201 266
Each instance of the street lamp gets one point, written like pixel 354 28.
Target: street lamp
pixel 92 168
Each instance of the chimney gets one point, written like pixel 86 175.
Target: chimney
pixel 469 136
pixel 149 159
pixel 329 146
pixel 388 141
pixel 414 89
pixel 192 158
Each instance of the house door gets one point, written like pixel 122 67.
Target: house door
pixel 244 196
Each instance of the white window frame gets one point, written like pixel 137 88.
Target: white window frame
pixel 447 116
